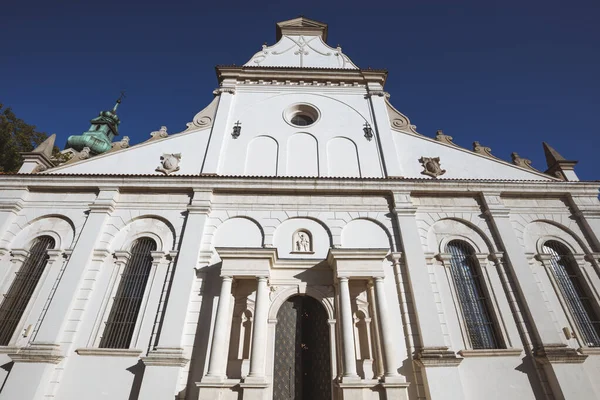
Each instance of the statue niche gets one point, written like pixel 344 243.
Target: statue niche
pixel 302 242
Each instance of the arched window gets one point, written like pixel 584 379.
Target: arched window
pixel 579 303
pixel 472 296
pixel 128 299
pixel 22 287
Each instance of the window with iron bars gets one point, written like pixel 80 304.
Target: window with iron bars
pixel 123 315
pixel 472 296
pixel 21 289
pixel 579 303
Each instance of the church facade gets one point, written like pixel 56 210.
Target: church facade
pixel 299 240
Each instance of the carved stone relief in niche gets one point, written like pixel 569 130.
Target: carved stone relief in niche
pixel 169 163
pixel 302 242
pixel 431 166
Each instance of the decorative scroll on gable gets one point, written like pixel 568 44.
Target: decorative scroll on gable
pixel 399 121
pixel 301 51
pixel 205 118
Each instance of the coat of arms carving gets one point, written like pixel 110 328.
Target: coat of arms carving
pixel 431 166
pixel 169 163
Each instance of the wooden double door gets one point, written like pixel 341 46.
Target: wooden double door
pixel 302 351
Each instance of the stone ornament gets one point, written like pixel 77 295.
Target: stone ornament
pixel 39 168
pixel 441 137
pixel 399 121
pixel 484 151
pixel 169 163
pixel 120 145
pixel 72 156
pixel 302 242
pixel 521 162
pixel 431 166
pixel 159 134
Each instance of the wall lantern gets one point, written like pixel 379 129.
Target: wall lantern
pixel 368 131
pixel 237 129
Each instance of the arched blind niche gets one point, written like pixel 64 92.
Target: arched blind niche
pixel 128 299
pixel 472 296
pixel 579 303
pixel 22 287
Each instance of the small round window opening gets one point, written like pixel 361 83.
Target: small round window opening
pixel 302 120
pixel 301 115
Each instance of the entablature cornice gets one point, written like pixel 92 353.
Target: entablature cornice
pixel 300 74
pixel 242 262
pixel 357 263
pixel 294 185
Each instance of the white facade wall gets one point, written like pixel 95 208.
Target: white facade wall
pixel 244 223
pixel 257 220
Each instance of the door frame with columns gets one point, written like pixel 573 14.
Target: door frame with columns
pixel 276 281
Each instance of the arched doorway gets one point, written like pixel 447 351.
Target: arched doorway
pixel 302 353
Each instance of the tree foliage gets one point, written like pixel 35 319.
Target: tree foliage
pixel 16 136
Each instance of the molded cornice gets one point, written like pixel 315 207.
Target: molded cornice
pixel 300 74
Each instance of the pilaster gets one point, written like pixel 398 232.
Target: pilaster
pixel 44 350
pixel 220 129
pixel 100 210
pixel 498 217
pixel 12 202
pixel 429 326
pixel 168 352
pixel 561 363
pixel 381 122
pixel 587 211
pixel 438 362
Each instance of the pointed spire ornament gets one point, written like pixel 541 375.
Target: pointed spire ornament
pixel 40 159
pixel 558 166
pixel 46 146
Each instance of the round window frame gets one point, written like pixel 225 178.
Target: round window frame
pixel 301 109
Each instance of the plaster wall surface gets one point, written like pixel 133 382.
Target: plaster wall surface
pixel 250 221
pixel 232 248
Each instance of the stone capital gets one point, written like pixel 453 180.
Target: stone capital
pixel 122 256
pixel 19 255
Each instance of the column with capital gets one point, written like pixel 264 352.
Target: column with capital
pixel 349 355
pixel 390 363
pixel 259 331
pixel 255 383
pixel 35 363
pixel 218 351
pixel 161 382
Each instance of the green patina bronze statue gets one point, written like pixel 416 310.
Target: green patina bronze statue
pixel 100 135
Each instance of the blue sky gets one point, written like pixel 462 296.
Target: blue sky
pixel 507 74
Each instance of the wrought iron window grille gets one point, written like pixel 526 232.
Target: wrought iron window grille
pixel 21 289
pixel 472 296
pixel 581 306
pixel 123 316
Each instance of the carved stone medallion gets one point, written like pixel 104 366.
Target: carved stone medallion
pixel 169 163
pixel 431 166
